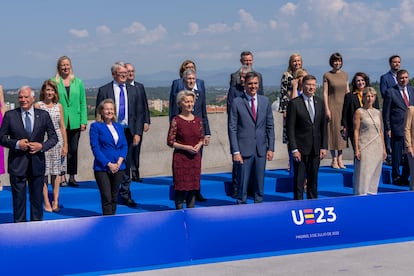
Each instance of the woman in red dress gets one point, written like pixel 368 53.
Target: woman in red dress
pixel 185 135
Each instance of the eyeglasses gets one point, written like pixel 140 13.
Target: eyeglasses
pixel 121 73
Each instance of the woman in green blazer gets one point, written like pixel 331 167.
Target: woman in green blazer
pixel 73 99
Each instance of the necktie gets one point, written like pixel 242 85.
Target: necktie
pixel 121 113
pixel 28 123
pixel 407 102
pixel 253 109
pixel 311 110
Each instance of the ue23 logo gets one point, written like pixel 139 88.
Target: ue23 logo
pixel 312 216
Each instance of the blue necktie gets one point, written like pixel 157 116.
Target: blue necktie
pixel 121 113
pixel 28 123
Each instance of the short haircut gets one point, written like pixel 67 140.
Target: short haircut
pixel 392 57
pixel 24 87
pixel 250 75
pixel 308 77
pixel 116 65
pixel 100 108
pixel 189 72
pixel 334 57
pixel 245 53
pixel 52 84
pixel 184 64
pixel 402 71
pixel 182 94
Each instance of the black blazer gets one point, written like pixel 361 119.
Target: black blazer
pixel 303 135
pixel 12 130
pixel 141 90
pixel 235 79
pixel 136 108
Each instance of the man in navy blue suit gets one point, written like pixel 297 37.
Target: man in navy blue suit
pixel 387 81
pixel 23 132
pixel 307 135
pixel 130 108
pixel 190 82
pixel 252 138
pixel 147 121
pixel 396 102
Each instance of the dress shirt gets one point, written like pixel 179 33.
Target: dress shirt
pixel 117 92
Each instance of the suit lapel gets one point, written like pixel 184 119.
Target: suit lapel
pixel 249 109
pixel 305 109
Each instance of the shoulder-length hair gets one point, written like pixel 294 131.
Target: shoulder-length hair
pixel 334 57
pixel 100 108
pixel 58 75
pixel 184 64
pixel 362 75
pixel 291 58
pixel 52 84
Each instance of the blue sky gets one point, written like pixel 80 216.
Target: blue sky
pixel 158 35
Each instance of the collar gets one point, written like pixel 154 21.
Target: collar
pixel 31 110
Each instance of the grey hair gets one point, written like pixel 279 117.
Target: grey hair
pixel 189 72
pixel 116 65
pixel 24 87
pixel 245 69
pixel 182 94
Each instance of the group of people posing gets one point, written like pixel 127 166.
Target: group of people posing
pixel 43 136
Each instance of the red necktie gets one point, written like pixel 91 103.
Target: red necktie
pixel 407 103
pixel 253 109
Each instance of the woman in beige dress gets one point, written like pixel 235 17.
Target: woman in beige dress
pixel 369 145
pixel 409 142
pixel 335 86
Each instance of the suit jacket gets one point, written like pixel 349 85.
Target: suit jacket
pixel 103 145
pixel 199 105
pixel 247 136
pixel 74 107
pixel 234 92
pixel 394 109
pixel 302 134
pixel 351 104
pixel 12 130
pixel 235 79
pixel 141 90
pixel 136 108
pixel 386 82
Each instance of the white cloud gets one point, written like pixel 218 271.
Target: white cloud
pixel 152 36
pixel 193 29
pixel 79 33
pixel 248 21
pixel 289 8
pixel 218 28
pixel 135 27
pixel 103 30
pixel 272 24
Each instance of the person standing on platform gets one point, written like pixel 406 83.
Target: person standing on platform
pixel 252 138
pixel 246 58
pixel 396 102
pixel 2 110
pixel 409 142
pixel 186 136
pixel 72 97
pixel 335 86
pixel 23 132
pixel 189 81
pixel 307 138
pixel 147 121
pixel 109 147
pixel 387 81
pixel 129 104
pixel 49 101
pixel 369 145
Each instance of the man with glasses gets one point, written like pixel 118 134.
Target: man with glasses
pixel 130 114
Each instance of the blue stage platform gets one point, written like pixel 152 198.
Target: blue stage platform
pixel 79 240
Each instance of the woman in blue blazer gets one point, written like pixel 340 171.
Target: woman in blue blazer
pixel 109 147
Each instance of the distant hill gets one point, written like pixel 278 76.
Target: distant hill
pixel 220 78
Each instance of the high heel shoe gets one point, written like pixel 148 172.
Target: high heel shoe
pixel 341 164
pixel 335 163
pixel 55 209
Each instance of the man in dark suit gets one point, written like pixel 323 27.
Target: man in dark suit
pixel 387 81
pixel 190 82
pixel 147 121
pixel 252 138
pixel 307 138
pixel 246 58
pixel 396 102
pixel 130 108
pixel 23 132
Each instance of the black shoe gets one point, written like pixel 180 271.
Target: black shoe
pixel 200 198
pixel 131 203
pixel 73 183
pixel 136 179
pixel 399 181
